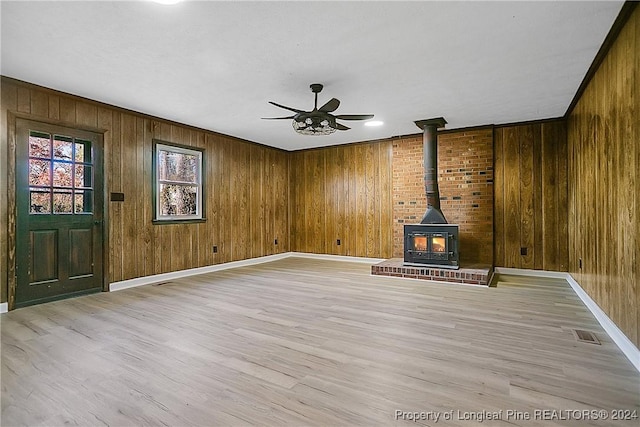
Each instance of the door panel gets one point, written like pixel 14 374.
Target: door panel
pixel 44 261
pixel 59 186
pixel 80 245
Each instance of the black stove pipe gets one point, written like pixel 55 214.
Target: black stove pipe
pixel 434 214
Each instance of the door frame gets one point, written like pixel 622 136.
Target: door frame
pixel 12 208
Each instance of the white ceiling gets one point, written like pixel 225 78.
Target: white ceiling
pixel 215 65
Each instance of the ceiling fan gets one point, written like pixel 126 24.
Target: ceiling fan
pixel 318 121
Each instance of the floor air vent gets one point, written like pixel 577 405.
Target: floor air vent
pixel 161 283
pixel 585 336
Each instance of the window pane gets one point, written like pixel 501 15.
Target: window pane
pixel 39 172
pixel 62 147
pixel 179 167
pixel 40 201
pixel 82 176
pixel 83 201
pixel 83 151
pixel 39 145
pixel 178 199
pixel 62 201
pixel 62 174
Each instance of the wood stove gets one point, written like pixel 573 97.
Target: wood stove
pixel 431 244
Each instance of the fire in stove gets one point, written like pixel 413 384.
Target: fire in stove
pixel 431 244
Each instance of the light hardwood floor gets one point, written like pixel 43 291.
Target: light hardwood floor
pixel 309 342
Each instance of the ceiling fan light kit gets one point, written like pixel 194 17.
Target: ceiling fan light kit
pixel 318 121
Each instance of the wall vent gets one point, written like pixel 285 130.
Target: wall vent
pixel 585 336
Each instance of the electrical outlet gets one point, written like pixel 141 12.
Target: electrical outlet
pixel 524 251
pixel 215 249
pixel 338 242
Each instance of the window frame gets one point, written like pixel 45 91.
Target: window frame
pixel 158 146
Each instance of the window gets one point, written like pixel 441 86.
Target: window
pixel 178 183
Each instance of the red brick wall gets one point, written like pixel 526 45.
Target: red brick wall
pixel 465 165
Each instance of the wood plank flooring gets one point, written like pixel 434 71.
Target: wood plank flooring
pixel 310 342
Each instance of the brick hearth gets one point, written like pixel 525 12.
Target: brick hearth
pixel 472 274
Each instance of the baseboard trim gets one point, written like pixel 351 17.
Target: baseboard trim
pixel 336 257
pixel 4 307
pixel 619 338
pixel 527 272
pixel 163 277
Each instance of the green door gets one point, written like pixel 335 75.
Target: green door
pixel 59 224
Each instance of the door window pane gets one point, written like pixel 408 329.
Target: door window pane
pixel 62 174
pixel 82 176
pixel 39 145
pixel 39 172
pixel 62 201
pixel 62 147
pixel 83 151
pixel 39 201
pixel 83 201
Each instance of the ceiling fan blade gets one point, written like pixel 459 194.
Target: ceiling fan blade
pixel 354 116
pixel 341 127
pixel 277 118
pixel 330 106
pixel 295 110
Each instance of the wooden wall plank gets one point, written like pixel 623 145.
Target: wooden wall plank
pixel 131 199
pixel 527 219
pixel 67 109
pixel 498 198
pixel 511 145
pixel 86 115
pixel 39 103
pixel 256 201
pixel 330 201
pixel 225 248
pixel 281 178
pixel 537 187
pixel 385 186
pixel 360 200
pixel 372 212
pixel 146 158
pixel 54 107
pixel 549 200
pixel 350 228
pixel 24 100
pixel 114 177
pixel 562 213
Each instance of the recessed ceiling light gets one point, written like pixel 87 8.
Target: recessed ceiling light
pixel 374 123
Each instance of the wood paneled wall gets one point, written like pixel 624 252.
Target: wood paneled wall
pixel 342 193
pixel 530 198
pixel 246 188
pixel 604 173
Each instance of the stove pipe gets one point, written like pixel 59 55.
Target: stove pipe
pixel 433 215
